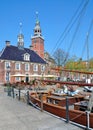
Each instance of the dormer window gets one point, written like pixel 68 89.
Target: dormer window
pixel 26 57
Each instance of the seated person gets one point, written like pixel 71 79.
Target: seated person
pixel 72 90
pixel 65 89
pixel 58 88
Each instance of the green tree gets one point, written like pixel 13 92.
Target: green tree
pixel 74 63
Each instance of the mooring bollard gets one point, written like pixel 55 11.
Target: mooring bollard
pixel 19 95
pixel 9 90
pixel 13 92
pixel 67 110
pixel 41 97
pixel 28 97
pixel 87 120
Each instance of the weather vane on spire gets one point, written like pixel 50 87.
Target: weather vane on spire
pixel 36 15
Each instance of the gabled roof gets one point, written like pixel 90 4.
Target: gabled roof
pixel 16 54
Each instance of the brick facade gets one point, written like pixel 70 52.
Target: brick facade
pixel 38 46
pixel 13 71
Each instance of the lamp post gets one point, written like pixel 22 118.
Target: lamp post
pixel 8 71
pixel 8 80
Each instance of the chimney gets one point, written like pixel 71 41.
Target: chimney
pixel 7 43
pixel 31 47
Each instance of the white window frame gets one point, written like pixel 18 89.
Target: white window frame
pixel 27 67
pixel 42 68
pixel 35 67
pixel 7 75
pixel 7 64
pixel 17 78
pixel 17 66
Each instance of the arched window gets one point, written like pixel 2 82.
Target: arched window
pixel 27 57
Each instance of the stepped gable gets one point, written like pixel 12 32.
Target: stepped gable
pixel 14 53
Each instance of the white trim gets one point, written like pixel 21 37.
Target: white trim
pixel 2 51
pixel 27 57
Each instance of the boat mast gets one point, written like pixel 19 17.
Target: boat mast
pixel 87 52
pixel 87 43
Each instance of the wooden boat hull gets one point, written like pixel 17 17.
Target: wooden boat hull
pixel 76 116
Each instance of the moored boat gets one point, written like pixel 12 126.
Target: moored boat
pixel 72 108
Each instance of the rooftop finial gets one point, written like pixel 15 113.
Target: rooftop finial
pixel 20 27
pixel 36 16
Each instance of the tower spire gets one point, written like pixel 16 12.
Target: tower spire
pixel 20 38
pixel 37 29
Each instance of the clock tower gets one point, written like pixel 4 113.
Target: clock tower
pixel 37 40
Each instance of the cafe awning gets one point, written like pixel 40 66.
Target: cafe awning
pixel 35 75
pixel 19 75
pixel 49 76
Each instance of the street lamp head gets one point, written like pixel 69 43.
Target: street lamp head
pixel 8 68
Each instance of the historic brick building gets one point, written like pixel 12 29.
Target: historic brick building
pixel 18 60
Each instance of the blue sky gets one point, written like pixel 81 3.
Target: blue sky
pixel 54 16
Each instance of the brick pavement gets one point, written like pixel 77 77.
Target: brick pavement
pixel 17 115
